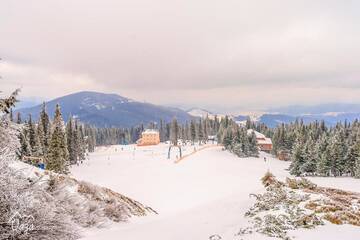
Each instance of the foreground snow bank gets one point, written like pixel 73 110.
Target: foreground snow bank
pixel 85 205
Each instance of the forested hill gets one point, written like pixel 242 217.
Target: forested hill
pixel 108 110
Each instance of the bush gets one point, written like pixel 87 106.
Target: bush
pixel 333 218
pixel 28 212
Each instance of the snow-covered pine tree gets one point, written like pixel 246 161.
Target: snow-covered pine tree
pixel 337 152
pixel 174 132
pixel 323 156
pixel 253 147
pixel 357 168
pixel 310 158
pixel 206 129
pixel 193 131
pixel 353 153
pixel 162 131
pixel 200 131
pixel 58 156
pixel 80 142
pixel 24 148
pixel 297 158
pixel 71 140
pixel 44 129
pixel 33 138
pixel 227 138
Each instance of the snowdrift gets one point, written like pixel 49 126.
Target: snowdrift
pixel 87 205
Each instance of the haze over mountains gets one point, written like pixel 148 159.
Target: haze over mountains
pixel 112 110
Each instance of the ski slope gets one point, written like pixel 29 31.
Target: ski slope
pixel 205 194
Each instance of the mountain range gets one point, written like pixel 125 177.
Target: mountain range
pixel 107 110
pixel 112 110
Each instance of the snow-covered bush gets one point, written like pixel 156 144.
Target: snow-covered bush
pixel 299 203
pixel 28 212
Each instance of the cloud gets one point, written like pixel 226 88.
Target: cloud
pixel 163 50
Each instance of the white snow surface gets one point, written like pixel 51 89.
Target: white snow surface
pixel 206 193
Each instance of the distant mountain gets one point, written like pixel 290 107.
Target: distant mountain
pixel 202 113
pixel 272 120
pixel 199 112
pixel 321 109
pixel 108 110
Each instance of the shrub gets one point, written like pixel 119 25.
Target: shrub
pixel 333 218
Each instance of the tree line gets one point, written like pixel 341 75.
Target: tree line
pixel 59 145
pixel 238 139
pixel 316 149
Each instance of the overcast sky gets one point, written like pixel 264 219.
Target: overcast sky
pixel 232 55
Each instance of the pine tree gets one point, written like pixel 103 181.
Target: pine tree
pixel 228 139
pixel 193 131
pixel 309 165
pixel 33 138
pixel 253 147
pixel 79 142
pixel 323 155
pixel 200 132
pixel 58 156
pixel 25 149
pixel 357 168
pixel 297 159
pixel 353 155
pixel 174 132
pixel 18 118
pixel 71 138
pixel 337 153
pixel 44 129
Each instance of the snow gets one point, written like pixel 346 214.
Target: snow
pixel 206 193
pixel 257 134
pixel 150 131
pixel 197 112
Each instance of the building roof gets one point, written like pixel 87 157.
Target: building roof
pixel 264 141
pixel 261 139
pixel 258 135
pixel 150 131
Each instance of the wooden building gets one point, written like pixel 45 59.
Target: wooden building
pixel 149 137
pixel 264 143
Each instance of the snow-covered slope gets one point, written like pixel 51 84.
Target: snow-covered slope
pixel 202 113
pixel 198 112
pixel 207 193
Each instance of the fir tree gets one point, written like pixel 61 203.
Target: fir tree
pixel 253 147
pixel 25 149
pixel 200 132
pixel 322 153
pixel 174 132
pixel 71 138
pixel 58 156
pixel 33 138
pixel 193 131
pixel 44 129
pixel 297 159
pixel 309 165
